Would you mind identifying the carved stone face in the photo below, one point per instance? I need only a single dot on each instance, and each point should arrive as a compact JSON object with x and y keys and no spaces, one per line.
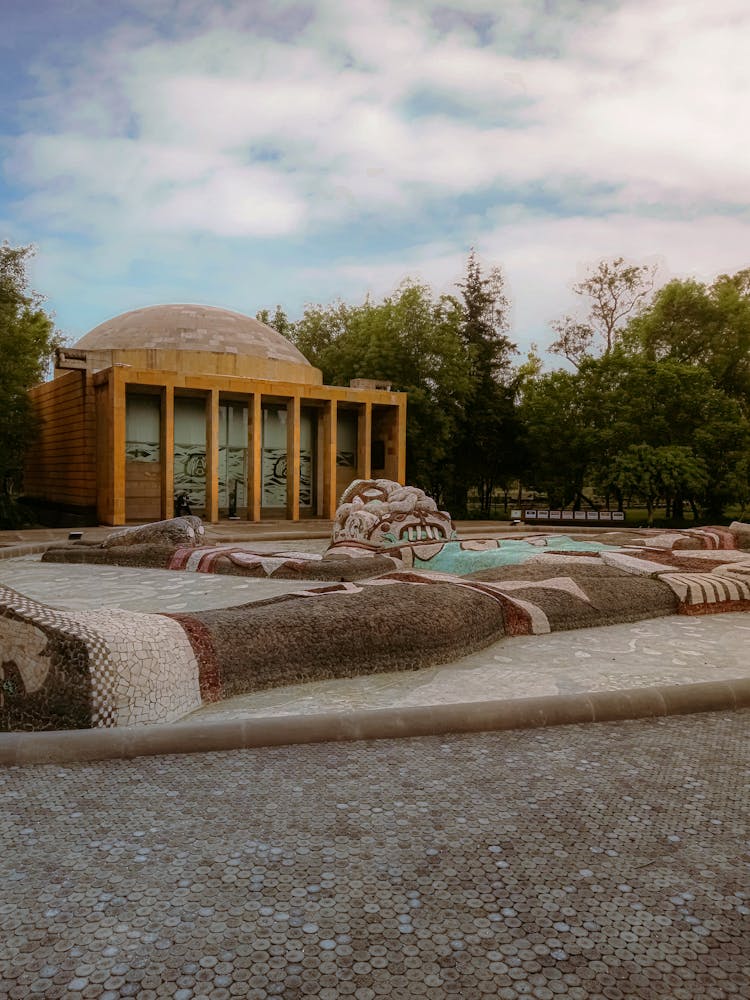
{"x":380,"y":513}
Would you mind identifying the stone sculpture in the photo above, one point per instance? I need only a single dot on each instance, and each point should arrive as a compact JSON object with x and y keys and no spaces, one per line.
{"x":403,"y":593}
{"x":186,"y":530}
{"x":380,"y":512}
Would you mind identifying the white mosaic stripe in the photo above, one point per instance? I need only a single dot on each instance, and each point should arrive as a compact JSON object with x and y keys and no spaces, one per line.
{"x":142,"y":668}
{"x":633,"y":565}
{"x":539,"y":621}
{"x":201,"y":560}
{"x":706,"y":588}
{"x":152,"y":672}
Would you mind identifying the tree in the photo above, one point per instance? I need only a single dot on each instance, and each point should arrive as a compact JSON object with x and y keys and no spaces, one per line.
{"x":613,"y":290}
{"x":702,"y":325}
{"x":412,"y":340}
{"x":27,"y":342}
{"x":452,"y":356}
{"x":279,"y":321}
{"x":486,"y":451}
{"x":578,"y":424}
{"x":656,"y":473}
{"x":560,"y":414}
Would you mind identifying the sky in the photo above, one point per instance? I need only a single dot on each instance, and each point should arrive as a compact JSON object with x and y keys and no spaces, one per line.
{"x":244,"y":153}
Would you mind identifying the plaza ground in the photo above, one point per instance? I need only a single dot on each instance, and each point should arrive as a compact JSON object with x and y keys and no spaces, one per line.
{"x":583,"y":861}
{"x":579,"y":861}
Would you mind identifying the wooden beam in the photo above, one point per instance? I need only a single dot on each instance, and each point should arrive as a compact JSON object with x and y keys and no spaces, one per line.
{"x":364,"y":441}
{"x":330,"y":447}
{"x":401,"y":478}
{"x":117,"y":386}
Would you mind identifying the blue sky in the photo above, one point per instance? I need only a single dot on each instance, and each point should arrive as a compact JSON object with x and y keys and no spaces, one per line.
{"x":245,"y":153}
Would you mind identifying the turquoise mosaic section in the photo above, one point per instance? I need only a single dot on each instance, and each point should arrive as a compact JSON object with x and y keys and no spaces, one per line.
{"x":454,"y":559}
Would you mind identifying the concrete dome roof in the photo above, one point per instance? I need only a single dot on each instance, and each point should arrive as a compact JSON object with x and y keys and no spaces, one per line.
{"x":191,"y":328}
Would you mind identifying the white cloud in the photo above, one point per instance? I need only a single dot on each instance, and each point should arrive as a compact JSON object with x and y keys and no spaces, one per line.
{"x":225,"y":130}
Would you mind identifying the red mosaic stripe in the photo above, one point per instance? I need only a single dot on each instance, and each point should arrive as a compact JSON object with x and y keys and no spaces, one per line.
{"x":712,"y":608}
{"x":209,"y":670}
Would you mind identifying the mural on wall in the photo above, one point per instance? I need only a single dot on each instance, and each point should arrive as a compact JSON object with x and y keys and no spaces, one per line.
{"x":190,"y":449}
{"x":232,"y":455}
{"x":232,"y":476}
{"x":274,"y":461}
{"x":345,"y":459}
{"x":190,"y":472}
{"x":274,"y":477}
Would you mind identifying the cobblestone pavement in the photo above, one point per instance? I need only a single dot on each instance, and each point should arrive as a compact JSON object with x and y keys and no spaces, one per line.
{"x":605,"y":861}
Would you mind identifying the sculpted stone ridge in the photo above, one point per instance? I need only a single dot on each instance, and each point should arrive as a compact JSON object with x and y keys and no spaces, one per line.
{"x":187,"y":530}
{"x":396,"y":590}
{"x":380,"y":513}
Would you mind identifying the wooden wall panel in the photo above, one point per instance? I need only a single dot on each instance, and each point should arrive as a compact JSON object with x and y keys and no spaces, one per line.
{"x":61,"y":464}
{"x":143,"y":491}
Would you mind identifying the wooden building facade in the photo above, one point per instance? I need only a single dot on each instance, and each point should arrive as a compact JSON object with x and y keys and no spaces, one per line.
{"x":194,"y":403}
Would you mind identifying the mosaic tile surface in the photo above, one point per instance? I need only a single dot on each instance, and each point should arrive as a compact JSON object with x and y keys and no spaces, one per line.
{"x":605,"y":861}
{"x":382,"y":609}
{"x":659,"y":652}
{"x":132,"y":668}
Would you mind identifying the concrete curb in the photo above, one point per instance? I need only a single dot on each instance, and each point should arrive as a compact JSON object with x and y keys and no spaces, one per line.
{"x":25,"y":549}
{"x":520,"y":713}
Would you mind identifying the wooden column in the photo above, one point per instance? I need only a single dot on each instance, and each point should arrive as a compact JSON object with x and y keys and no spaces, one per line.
{"x":293,"y":415}
{"x":401,"y":438}
{"x":117,"y":387}
{"x":106,"y":435}
{"x":330,"y":491}
{"x":166,"y":447}
{"x":364,"y":440}
{"x":254,"y":457}
{"x":212,"y":456}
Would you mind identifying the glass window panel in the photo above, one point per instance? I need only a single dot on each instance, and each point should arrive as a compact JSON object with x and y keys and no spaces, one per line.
{"x":190,"y":449}
{"x":142,"y":424}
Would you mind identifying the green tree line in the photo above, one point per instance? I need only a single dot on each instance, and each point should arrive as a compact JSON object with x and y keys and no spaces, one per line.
{"x":654,"y":406}
{"x":655,"y":409}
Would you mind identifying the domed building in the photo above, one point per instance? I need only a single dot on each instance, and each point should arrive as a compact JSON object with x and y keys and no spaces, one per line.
{"x":187,"y":401}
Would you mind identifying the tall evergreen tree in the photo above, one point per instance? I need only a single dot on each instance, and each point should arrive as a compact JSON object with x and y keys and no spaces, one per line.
{"x":487,"y":446}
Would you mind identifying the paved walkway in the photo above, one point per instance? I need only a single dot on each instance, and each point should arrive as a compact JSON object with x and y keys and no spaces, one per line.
{"x":600,"y":861}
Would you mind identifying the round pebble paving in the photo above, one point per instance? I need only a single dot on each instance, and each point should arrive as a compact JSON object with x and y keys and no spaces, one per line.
{"x":580,"y":861}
